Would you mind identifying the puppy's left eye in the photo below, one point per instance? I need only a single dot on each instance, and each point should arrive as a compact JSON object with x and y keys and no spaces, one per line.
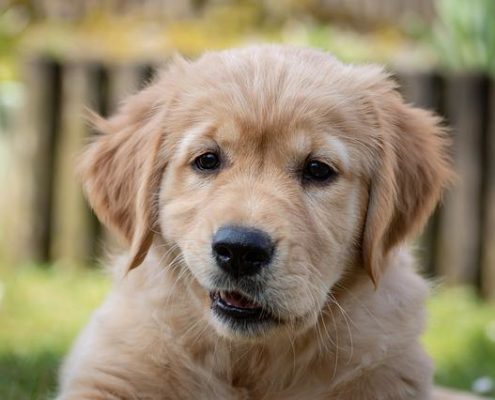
{"x":207,"y":162}
{"x":318,"y":171}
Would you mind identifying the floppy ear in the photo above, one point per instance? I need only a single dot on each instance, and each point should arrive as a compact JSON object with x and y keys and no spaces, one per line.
{"x":410,"y":177}
{"x":121,"y":171}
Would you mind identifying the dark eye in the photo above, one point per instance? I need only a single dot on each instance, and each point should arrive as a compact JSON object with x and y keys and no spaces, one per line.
{"x":318,"y":171}
{"x":207,"y":161}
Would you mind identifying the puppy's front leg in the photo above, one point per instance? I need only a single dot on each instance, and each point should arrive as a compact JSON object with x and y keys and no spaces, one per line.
{"x":403,"y":377}
{"x":97,"y":386}
{"x":97,"y":371}
{"x":383,"y":386}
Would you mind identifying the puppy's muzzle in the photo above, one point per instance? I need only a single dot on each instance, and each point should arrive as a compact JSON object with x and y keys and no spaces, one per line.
{"x":242,"y":251}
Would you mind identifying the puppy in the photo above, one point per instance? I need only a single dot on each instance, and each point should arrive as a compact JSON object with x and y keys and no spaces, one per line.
{"x":266,"y":194}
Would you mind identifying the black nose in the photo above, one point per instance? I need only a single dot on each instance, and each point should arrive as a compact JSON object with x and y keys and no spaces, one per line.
{"x":242,"y":251}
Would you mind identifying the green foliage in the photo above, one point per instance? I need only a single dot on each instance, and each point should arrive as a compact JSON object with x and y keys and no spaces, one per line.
{"x":42,"y":309}
{"x":14,"y":18}
{"x":99,"y":34}
{"x":385,"y":45}
{"x":464,"y":34}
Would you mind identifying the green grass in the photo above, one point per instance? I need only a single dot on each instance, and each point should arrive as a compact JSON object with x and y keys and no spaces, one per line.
{"x":42,"y":309}
{"x":461,"y":338}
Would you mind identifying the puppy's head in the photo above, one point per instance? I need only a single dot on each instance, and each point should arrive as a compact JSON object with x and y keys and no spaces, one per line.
{"x":274,"y":171}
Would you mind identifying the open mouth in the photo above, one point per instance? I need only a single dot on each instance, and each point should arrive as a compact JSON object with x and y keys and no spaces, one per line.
{"x":237,"y":307}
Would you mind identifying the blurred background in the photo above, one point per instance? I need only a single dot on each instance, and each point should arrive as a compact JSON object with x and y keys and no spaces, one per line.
{"x":58,"y":57}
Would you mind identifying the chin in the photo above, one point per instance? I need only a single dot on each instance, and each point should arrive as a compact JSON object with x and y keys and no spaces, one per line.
{"x":235,"y":315}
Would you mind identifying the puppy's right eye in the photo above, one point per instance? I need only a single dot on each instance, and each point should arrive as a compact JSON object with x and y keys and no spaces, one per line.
{"x":318,"y":171}
{"x":207,"y":162}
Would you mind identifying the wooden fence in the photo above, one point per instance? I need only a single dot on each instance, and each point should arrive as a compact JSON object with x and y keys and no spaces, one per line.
{"x":50,"y":221}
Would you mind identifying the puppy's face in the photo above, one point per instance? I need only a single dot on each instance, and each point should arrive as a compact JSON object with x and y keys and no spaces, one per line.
{"x":266,"y":220}
{"x":274,"y":172}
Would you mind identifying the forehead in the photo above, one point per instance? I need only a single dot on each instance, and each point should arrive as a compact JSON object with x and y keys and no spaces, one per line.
{"x":290,"y":101}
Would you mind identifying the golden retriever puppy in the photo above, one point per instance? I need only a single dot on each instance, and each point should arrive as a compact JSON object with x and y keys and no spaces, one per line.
{"x":266,"y":194}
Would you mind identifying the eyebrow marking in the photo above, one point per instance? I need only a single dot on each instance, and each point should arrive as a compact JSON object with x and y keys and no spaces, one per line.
{"x":302,"y":143}
{"x":340,"y":150}
{"x":192,"y":135}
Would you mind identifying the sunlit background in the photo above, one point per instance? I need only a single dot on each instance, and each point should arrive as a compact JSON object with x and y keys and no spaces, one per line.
{"x":58,"y":57}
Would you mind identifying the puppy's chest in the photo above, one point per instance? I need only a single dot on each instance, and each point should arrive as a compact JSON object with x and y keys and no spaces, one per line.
{"x":266,"y":373}
{"x":295,"y":392}
{"x":269,"y":386}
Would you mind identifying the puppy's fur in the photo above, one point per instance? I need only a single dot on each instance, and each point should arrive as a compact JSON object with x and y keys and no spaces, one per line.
{"x":348,"y":303}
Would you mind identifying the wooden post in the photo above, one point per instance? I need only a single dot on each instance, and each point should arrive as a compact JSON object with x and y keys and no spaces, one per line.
{"x":72,"y":234}
{"x":418,"y":88}
{"x":31,"y":178}
{"x":123,"y":81}
{"x":147,"y":74}
{"x":459,"y":226}
{"x":488,"y":239}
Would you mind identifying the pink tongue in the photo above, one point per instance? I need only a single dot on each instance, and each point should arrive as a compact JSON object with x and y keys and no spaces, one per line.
{"x":237,"y":300}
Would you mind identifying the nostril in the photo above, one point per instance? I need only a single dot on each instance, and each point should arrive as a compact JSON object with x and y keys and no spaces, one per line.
{"x":257,"y":256}
{"x":223,"y":252}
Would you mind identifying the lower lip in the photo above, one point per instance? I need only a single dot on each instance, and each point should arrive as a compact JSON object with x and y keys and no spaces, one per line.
{"x":234,"y":314}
